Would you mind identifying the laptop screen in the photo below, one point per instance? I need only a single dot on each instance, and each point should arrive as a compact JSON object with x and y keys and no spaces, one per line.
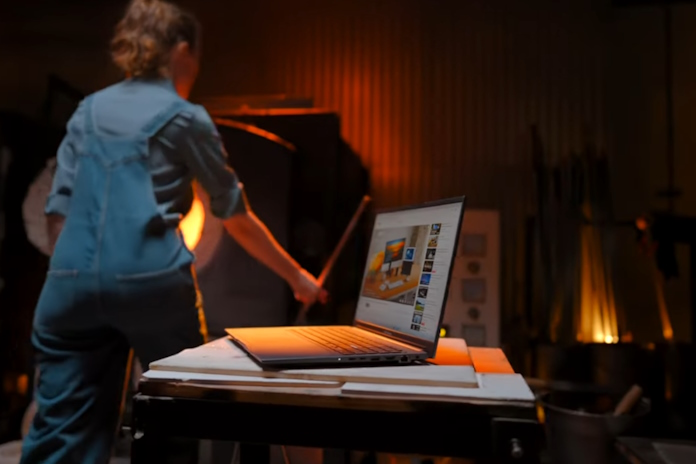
{"x":407,"y":271}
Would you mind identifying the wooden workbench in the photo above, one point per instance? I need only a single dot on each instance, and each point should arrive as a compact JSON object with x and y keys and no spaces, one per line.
{"x":492,"y":423}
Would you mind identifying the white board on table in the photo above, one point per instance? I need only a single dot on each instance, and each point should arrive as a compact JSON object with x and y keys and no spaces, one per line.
{"x":223,"y":357}
{"x":236,"y":380}
{"x":501,"y":387}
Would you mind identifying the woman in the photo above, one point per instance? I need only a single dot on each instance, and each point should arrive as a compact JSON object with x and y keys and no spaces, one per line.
{"x":120,"y":274}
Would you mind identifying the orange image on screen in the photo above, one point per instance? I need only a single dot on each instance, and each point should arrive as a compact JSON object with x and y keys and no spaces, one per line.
{"x":395,"y":264}
{"x":395,"y":250}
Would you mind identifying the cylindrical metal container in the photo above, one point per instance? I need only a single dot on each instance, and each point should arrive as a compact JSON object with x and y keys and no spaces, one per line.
{"x":580,"y":428}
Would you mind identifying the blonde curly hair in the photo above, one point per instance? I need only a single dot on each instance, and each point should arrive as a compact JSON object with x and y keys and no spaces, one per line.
{"x":146,"y":35}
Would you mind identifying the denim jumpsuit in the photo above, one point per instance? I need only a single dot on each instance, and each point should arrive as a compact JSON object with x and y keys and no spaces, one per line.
{"x":120,"y":275}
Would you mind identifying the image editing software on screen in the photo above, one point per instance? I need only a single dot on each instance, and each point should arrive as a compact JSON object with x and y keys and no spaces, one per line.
{"x":405,"y":278}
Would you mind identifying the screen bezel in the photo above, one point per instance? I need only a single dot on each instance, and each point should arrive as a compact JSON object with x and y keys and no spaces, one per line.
{"x":430,"y":347}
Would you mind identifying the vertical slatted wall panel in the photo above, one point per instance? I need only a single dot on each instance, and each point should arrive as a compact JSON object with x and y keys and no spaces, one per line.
{"x":437,"y":97}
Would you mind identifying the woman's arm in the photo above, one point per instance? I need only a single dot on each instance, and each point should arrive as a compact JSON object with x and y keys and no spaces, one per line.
{"x":202,"y":151}
{"x":257,"y":240}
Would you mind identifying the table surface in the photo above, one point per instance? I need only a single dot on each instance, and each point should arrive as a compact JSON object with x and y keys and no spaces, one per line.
{"x":326,"y":397}
{"x":498,"y":383}
{"x":187,"y":404}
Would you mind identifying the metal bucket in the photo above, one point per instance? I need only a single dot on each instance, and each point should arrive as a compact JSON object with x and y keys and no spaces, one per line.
{"x":580,"y":428}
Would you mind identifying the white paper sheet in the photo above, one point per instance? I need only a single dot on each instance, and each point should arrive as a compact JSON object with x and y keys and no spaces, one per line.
{"x":229,"y":379}
{"x":506,"y":387}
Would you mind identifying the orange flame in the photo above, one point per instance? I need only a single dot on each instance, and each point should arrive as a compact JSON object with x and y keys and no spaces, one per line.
{"x":598,"y":315}
{"x":192,"y":224}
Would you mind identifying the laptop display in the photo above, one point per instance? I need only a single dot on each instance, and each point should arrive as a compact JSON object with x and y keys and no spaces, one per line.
{"x":405,"y":281}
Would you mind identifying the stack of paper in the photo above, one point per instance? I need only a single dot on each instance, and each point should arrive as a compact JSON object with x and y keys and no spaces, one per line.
{"x":222,"y":357}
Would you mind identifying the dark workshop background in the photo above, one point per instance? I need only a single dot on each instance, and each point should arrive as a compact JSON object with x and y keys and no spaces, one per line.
{"x":437,"y":97}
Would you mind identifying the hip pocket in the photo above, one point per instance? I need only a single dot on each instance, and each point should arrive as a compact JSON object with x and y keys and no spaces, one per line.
{"x":151,"y":276}
{"x":156,"y":298}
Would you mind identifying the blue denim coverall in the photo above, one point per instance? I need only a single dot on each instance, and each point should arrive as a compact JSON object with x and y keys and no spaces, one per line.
{"x":120,"y":275}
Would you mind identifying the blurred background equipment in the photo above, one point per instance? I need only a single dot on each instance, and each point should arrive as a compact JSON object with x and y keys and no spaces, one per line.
{"x":473,"y":302}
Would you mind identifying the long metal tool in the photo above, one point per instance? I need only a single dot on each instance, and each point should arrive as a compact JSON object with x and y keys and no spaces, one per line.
{"x":301,"y":316}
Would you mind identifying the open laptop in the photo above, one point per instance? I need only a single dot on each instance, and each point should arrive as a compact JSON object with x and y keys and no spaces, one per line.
{"x":401,"y":303}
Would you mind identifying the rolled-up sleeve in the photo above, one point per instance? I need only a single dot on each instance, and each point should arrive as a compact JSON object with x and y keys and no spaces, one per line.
{"x":205,"y":155}
{"x":58,"y":201}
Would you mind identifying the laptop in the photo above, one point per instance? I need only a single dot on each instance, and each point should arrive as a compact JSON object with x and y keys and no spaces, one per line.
{"x":401,"y":303}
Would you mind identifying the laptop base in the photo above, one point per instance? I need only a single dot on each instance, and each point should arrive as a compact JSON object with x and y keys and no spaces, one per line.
{"x":284,"y":346}
{"x":281,"y":365}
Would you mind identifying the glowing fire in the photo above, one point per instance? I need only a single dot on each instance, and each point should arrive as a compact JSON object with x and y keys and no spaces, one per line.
{"x":192,"y":225}
{"x":643,"y":224}
{"x":598,"y":321}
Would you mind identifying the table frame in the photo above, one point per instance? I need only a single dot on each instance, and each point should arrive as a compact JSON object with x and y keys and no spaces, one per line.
{"x":485,"y":431}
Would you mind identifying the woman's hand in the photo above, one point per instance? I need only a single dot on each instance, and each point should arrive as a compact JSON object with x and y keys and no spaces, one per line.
{"x":307,"y":289}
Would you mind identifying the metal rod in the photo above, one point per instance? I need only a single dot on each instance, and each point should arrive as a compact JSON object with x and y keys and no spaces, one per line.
{"x":286,"y":457}
{"x":336,"y":252}
{"x":669,"y":107}
{"x":235,"y":454}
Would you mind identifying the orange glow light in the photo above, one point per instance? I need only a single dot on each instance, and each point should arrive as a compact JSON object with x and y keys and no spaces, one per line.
{"x":665,"y":319}
{"x":23,"y":384}
{"x":452,"y":352}
{"x":598,"y":321}
{"x":192,"y":224}
{"x":490,"y":361}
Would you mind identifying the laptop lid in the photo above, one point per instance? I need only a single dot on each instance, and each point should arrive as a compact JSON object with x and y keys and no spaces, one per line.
{"x":408,"y":271}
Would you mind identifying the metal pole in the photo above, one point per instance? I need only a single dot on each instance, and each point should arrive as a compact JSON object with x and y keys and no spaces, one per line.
{"x":301,"y":316}
{"x":669,"y":106}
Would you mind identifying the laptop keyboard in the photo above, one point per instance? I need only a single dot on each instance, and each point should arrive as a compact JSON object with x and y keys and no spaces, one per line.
{"x":346,"y":341}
